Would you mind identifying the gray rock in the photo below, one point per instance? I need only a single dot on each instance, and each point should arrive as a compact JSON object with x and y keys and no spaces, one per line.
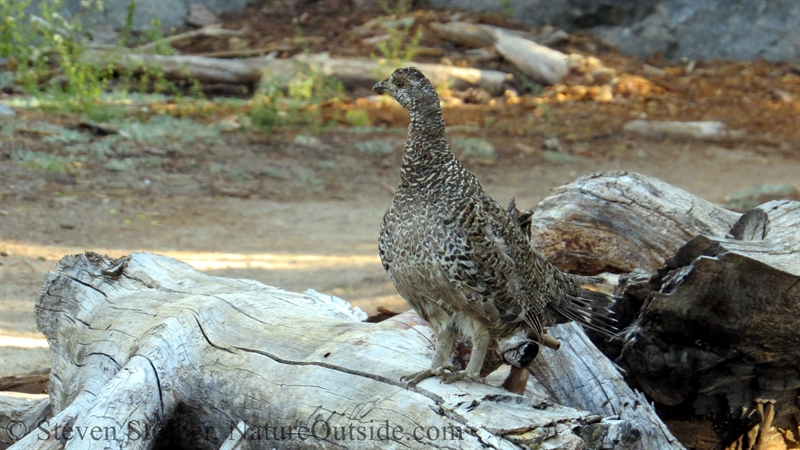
{"x":171,"y":13}
{"x":5,"y":111}
{"x":731,"y":29}
{"x":200,"y":16}
{"x":695,"y":29}
{"x":652,"y":34}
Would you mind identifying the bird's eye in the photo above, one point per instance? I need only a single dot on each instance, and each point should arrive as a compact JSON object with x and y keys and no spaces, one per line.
{"x":399,"y":83}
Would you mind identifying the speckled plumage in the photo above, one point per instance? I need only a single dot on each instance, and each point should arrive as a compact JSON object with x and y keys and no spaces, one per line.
{"x":459,"y":259}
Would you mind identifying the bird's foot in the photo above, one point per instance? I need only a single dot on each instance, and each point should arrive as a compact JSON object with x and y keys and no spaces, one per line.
{"x":461,"y":376}
{"x":414,"y":378}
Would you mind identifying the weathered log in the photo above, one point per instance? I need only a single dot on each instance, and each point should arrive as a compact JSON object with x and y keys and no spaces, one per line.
{"x":578,"y":375}
{"x":362,"y":71}
{"x":711,"y":303}
{"x":356,"y":71}
{"x":621,"y":221}
{"x":146,"y":343}
{"x":718,"y":330}
{"x":27,"y":383}
{"x":20,"y":413}
{"x":541,"y":63}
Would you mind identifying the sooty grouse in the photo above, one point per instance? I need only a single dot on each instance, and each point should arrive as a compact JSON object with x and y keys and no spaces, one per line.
{"x":460,"y":259}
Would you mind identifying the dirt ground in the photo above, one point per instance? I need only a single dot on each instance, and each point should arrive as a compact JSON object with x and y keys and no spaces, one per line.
{"x":302,"y":210}
{"x":319,"y":239}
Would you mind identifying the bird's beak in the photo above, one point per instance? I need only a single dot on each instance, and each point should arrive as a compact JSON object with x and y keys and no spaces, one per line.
{"x":380,"y":87}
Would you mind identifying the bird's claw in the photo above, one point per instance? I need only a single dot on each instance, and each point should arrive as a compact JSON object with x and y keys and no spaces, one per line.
{"x":460,"y":376}
{"x":415,"y":378}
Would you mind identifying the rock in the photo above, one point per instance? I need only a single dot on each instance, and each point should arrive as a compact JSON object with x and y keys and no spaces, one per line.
{"x":782,"y":95}
{"x":114,"y":12}
{"x":560,"y":157}
{"x":5,"y":111}
{"x":643,"y":38}
{"x":652,"y":71}
{"x":725,"y":29}
{"x":200,"y":16}
{"x":552,"y":144}
{"x":308,"y":141}
{"x":603,"y":76}
{"x":377,"y":147}
{"x":474,"y":148}
{"x":711,"y":131}
{"x":476,"y":96}
{"x":104,"y":35}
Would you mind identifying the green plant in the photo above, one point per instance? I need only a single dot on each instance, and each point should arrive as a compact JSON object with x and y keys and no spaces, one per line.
{"x":400,"y":7}
{"x":528,"y":85}
{"x":127,"y":28}
{"x":16,"y":36}
{"x":505,"y":6}
{"x":357,"y":118}
{"x":42,"y":161}
{"x":155,"y":35}
{"x":299,"y":105}
{"x":401,"y":46}
{"x":49,"y":57}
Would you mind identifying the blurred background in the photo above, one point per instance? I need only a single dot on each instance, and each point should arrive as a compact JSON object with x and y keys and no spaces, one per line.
{"x":243,"y":136}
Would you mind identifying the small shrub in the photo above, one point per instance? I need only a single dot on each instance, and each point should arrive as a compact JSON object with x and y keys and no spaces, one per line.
{"x":43,"y":161}
{"x":357,"y":118}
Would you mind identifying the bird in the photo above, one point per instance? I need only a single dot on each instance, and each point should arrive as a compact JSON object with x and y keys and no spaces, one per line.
{"x":460,"y":260}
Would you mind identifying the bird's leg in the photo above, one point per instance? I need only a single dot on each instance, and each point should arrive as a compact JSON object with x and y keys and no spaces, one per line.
{"x":480,"y":343}
{"x":444,"y":343}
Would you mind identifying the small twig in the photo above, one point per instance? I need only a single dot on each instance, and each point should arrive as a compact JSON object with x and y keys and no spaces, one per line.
{"x":389,"y":188}
{"x":246,"y":52}
{"x":211,"y":30}
{"x":550,"y":342}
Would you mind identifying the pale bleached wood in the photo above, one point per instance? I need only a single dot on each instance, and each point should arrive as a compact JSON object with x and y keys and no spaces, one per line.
{"x":579,"y":375}
{"x":147,"y":339}
{"x":621,"y":221}
{"x":354,"y":71}
{"x":20,"y":414}
{"x":541,"y":63}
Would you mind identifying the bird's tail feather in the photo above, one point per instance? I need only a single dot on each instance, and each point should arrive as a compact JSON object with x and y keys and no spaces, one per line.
{"x":592,"y":310}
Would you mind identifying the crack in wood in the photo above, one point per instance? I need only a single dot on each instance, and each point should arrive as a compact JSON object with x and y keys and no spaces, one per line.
{"x":75,"y":279}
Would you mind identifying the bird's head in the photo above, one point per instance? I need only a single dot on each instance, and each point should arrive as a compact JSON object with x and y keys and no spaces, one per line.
{"x":411,"y":89}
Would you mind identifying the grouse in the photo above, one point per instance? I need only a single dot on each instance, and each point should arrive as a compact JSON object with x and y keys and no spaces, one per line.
{"x":458,"y":258}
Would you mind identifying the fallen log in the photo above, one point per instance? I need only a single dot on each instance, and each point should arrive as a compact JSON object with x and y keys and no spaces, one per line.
{"x":249,"y":71}
{"x":541,"y":63}
{"x":710,"y":305}
{"x":361,"y":71}
{"x":147,"y":351}
{"x":620,"y":221}
{"x":20,"y":413}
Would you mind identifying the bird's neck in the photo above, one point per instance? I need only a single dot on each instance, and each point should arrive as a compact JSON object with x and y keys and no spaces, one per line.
{"x":426,"y":151}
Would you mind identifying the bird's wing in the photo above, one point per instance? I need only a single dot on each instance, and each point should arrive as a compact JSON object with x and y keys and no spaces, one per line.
{"x":479,"y":256}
